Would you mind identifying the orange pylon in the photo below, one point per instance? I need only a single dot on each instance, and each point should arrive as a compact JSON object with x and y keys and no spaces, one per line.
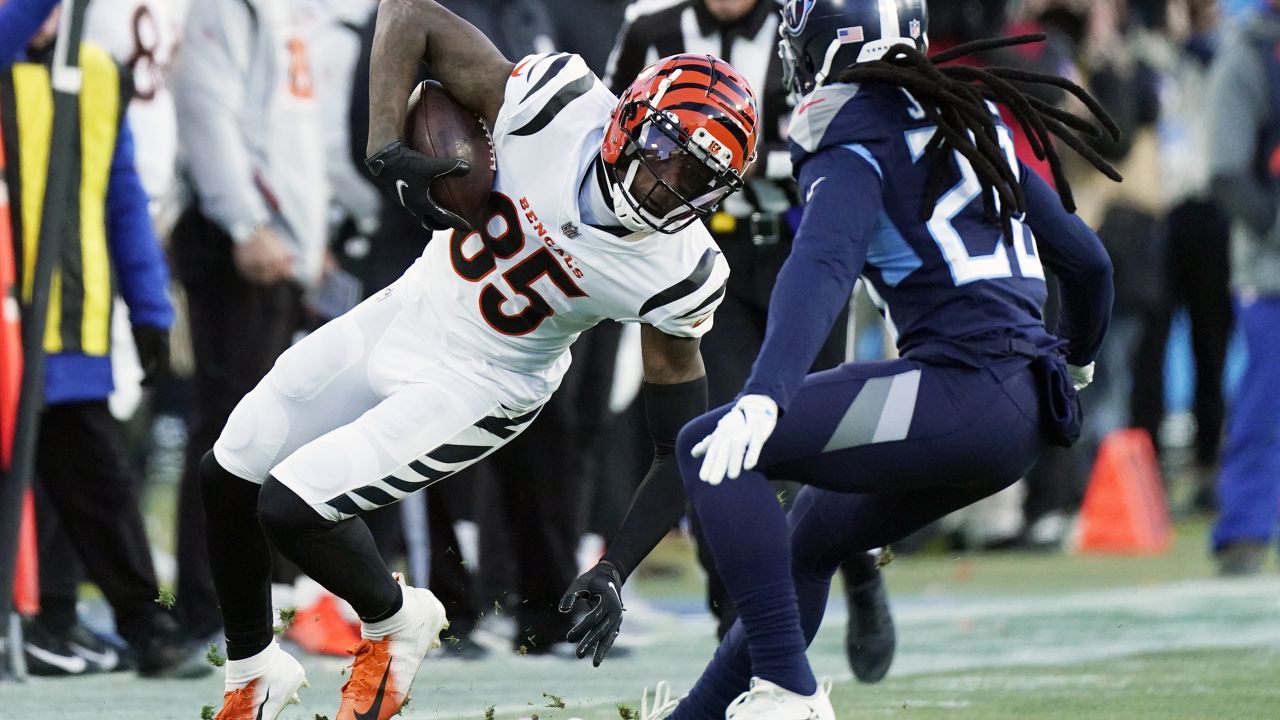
{"x":1125,"y":511}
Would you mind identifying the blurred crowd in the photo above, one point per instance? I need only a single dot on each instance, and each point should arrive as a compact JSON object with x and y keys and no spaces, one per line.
{"x":225,"y":210}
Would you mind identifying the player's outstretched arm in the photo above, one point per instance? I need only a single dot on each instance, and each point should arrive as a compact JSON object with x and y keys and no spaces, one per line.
{"x":842,"y":194}
{"x":843,"y":201}
{"x":411,"y":32}
{"x":675,"y":392}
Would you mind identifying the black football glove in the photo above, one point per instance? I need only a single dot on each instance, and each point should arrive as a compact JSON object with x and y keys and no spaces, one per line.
{"x":153,"y":352}
{"x":406,"y":176}
{"x":601,"y":588}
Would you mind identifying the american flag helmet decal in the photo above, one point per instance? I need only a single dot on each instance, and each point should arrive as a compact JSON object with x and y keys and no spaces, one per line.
{"x":851,"y":35}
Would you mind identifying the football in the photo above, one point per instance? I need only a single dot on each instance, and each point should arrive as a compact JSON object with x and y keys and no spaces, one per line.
{"x":439,"y":127}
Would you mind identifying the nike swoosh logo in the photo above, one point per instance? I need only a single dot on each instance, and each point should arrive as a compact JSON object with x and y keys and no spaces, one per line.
{"x":800,"y":110}
{"x":519,"y":69}
{"x":263,"y":707}
{"x":72,"y":664}
{"x":400,"y":186}
{"x":108,"y":659}
{"x":814,"y":188}
{"x":615,"y":592}
{"x":372,"y":712}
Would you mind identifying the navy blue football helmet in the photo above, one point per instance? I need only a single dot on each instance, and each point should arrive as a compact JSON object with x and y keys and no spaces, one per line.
{"x":823,"y":37}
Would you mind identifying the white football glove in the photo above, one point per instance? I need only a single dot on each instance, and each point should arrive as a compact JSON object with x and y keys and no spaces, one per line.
{"x":1081,"y":376}
{"x":738,"y":439}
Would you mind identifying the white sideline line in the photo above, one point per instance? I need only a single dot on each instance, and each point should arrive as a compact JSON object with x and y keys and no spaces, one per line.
{"x":1166,"y":599}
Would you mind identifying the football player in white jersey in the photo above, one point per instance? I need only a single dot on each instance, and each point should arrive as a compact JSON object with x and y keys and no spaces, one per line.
{"x":594,"y":215}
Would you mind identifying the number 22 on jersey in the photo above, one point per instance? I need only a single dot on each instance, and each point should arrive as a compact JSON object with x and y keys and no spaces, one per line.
{"x":966,"y":267}
{"x":501,"y":238}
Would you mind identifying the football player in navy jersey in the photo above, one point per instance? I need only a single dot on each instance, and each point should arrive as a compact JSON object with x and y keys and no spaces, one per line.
{"x":912,"y":183}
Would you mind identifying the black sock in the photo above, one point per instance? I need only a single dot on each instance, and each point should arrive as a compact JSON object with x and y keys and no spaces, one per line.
{"x":341,"y":556}
{"x":239,"y":557}
{"x":391,"y":610}
{"x":859,"y":568}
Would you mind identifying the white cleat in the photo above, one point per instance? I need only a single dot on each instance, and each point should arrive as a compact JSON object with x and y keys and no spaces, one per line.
{"x":663,"y":704}
{"x":266,"y":696}
{"x":766,"y":701}
{"x":384,"y":668}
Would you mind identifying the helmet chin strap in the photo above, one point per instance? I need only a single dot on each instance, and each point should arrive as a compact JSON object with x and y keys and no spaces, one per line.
{"x":630,"y":214}
{"x":820,"y":77}
{"x":626,"y":210}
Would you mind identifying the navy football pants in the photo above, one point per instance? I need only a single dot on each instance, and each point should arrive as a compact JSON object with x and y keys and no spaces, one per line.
{"x":884,"y":449}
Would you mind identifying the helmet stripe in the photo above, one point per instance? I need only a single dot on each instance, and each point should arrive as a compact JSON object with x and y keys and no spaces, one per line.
{"x":713,"y":77}
{"x":713,"y":113}
{"x":698,"y":104}
{"x":889,"y":28}
{"x":702,"y":67}
{"x":704,"y":91}
{"x":736,"y":131}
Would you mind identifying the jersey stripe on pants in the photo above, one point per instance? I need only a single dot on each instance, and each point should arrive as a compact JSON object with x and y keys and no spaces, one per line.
{"x":372,"y":407}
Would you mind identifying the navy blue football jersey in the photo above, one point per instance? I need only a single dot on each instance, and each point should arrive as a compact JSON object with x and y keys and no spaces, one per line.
{"x":949,"y":283}
{"x":953,"y":288}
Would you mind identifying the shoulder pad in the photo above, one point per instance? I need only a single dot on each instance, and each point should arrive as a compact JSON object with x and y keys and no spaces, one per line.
{"x":686,"y":308}
{"x":540,"y":87}
{"x":837,"y":114}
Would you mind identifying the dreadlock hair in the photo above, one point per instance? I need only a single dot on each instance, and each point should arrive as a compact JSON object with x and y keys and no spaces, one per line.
{"x":955,"y":99}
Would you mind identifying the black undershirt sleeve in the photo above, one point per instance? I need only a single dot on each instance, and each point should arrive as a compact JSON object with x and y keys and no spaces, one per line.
{"x":659,"y":502}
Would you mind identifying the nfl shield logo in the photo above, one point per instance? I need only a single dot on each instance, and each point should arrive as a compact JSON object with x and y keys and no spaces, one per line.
{"x":915,"y":29}
{"x":570,"y":230}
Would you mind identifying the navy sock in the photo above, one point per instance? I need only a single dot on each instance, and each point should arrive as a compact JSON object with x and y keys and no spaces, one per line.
{"x":747,"y":531}
{"x":816,"y":552}
{"x":726,"y":677}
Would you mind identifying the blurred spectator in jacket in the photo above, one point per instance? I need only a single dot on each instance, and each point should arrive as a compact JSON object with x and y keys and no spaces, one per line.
{"x":1180,"y":43}
{"x":1106,"y":56}
{"x":1243,"y":105}
{"x":109,"y":245}
{"x":254,"y":234}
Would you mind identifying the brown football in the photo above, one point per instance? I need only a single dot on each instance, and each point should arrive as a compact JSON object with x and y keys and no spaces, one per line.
{"x":437,"y":126}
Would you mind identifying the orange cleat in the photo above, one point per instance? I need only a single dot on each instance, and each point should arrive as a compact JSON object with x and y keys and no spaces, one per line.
{"x":383,"y":671}
{"x":320,"y":629}
{"x":265,"y":697}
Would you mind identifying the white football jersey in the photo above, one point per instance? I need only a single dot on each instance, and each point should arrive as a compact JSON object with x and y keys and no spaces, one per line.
{"x":519,"y":290}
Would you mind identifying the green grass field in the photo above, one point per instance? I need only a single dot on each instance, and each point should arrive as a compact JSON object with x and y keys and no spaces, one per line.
{"x":1169,"y":685}
{"x":982,"y":637}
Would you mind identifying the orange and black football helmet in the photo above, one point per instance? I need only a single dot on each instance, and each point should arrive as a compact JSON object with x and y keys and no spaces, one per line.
{"x":678,"y":142}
